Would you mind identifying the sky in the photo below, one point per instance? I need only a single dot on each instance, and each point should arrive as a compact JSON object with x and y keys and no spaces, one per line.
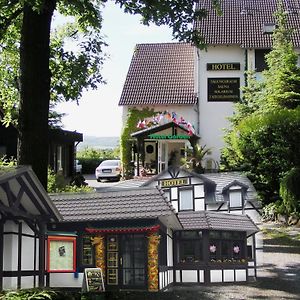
{"x":98,"y":113}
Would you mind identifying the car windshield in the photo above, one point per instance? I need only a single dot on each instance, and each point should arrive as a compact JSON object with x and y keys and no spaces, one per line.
{"x":110,"y":163}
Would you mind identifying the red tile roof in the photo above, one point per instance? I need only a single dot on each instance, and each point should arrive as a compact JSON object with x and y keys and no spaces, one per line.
{"x":243,"y":20}
{"x":160,"y":74}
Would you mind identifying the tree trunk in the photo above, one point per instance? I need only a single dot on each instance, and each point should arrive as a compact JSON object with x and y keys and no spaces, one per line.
{"x":35,"y":88}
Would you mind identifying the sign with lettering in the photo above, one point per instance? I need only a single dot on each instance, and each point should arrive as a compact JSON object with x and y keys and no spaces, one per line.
{"x":93,"y":280}
{"x":169,"y":137}
{"x":223,"y":66}
{"x":223,"y":89}
{"x":174,"y":182}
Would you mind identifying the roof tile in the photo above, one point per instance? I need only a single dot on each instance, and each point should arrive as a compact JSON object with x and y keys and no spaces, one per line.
{"x":160,"y":74}
{"x":242,"y":22}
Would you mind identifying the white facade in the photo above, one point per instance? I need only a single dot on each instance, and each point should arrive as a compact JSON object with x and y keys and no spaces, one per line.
{"x":213,"y":116}
{"x":15,"y":237}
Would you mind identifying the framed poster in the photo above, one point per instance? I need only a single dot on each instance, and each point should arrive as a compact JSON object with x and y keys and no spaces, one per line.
{"x":61,"y":254}
{"x":93,"y":280}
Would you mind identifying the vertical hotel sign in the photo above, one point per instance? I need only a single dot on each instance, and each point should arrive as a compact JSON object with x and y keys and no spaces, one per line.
{"x":223,"y":89}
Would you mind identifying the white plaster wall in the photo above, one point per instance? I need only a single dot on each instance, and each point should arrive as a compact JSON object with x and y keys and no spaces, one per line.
{"x":169,"y":248}
{"x":66,"y":280}
{"x":213,"y":115}
{"x":240,"y":275}
{"x":201,"y":276}
{"x":199,"y":204}
{"x":251,"y":272}
{"x":228,"y":275}
{"x":27,"y":282}
{"x":9,"y":283}
{"x":177,"y":276}
{"x":170,"y":274}
{"x":27,"y":253}
{"x":26,"y":229}
{"x":215,"y":275}
{"x":10,"y":252}
{"x":161,"y":279}
{"x":189,"y":276}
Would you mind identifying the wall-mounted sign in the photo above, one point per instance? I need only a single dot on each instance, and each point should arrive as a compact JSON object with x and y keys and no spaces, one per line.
{"x":169,"y":137}
{"x":93,"y":280}
{"x":174,"y":182}
{"x":61,"y":254}
{"x":223,"y":66}
{"x":223,"y":89}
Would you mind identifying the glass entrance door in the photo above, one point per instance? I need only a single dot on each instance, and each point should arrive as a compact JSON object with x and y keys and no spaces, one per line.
{"x":133,"y":261}
{"x":162,"y":156}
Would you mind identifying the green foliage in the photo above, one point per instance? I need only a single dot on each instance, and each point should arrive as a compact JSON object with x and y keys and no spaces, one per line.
{"x":29,"y":295}
{"x":73,"y":69}
{"x":133,"y":116}
{"x":90,"y":158}
{"x":58,"y":184}
{"x":7,"y":162}
{"x":290,"y":191}
{"x":282,"y":79}
{"x":264,"y":139}
{"x":178,"y":15}
{"x":195,"y":157}
{"x":266,"y":146}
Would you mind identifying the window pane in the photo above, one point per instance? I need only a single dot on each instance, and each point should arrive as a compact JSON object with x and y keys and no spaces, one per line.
{"x":214,"y":234}
{"x":235,"y":199}
{"x":199,"y":191}
{"x":189,"y":234}
{"x":186,"y":199}
{"x":87,"y":251}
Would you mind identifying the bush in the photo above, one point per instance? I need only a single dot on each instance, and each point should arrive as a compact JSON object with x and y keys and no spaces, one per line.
{"x":272,"y":210}
{"x":290,"y":191}
{"x":57,"y":184}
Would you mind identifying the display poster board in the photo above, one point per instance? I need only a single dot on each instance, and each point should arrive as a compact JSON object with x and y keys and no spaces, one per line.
{"x":93,"y":280}
{"x":61,"y":254}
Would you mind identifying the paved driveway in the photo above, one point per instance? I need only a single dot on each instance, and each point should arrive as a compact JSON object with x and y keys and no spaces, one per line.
{"x":90,"y":179}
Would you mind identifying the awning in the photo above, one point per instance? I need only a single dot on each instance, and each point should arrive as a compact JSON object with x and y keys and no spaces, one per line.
{"x":135,"y":229}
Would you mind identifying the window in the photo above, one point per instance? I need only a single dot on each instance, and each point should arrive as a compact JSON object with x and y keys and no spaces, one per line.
{"x":260,"y":60}
{"x":235,"y":198}
{"x":226,"y":246}
{"x":189,"y":246}
{"x":87,"y":251}
{"x":186,"y":199}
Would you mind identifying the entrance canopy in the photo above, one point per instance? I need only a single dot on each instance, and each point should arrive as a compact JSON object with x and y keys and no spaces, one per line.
{"x":161,"y":145}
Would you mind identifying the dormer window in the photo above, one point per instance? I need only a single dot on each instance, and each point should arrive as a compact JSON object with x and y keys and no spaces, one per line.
{"x":235,"y":194}
{"x":268,"y":28}
{"x":235,"y":198}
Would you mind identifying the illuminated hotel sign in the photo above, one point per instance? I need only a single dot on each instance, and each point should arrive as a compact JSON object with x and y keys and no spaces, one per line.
{"x":168,"y":137}
{"x":223,"y":89}
{"x":174,"y":182}
{"x":223,"y":67}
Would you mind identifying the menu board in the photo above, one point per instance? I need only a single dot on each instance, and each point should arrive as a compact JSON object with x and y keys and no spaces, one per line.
{"x":93,"y":280}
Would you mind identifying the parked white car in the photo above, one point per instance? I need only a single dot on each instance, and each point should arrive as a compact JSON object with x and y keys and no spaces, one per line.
{"x":108,"y":169}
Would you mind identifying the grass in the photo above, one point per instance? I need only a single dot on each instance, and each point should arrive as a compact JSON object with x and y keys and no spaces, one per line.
{"x":282,"y":236}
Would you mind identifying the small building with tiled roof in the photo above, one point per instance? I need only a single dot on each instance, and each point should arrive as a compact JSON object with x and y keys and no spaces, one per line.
{"x":139,"y":241}
{"x":203,"y":85}
{"x":129,"y":238}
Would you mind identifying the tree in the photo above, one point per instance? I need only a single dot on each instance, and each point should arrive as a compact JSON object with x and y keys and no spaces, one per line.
{"x":35,"y":77}
{"x":265,"y":136}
